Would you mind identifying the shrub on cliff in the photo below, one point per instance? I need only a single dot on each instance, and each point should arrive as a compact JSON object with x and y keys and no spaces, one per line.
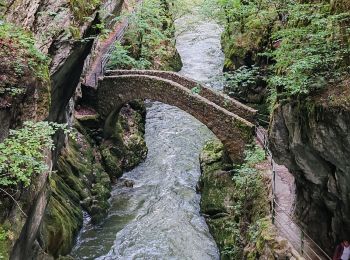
{"x":22,"y":154}
{"x":234,"y":201}
{"x":148,"y":39}
{"x":21,"y":62}
{"x":305,"y":44}
{"x":314,"y":49}
{"x":82,"y":9}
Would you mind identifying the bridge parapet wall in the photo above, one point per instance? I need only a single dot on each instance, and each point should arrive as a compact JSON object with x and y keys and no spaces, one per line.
{"x":216,"y":97}
{"x":114,"y":91}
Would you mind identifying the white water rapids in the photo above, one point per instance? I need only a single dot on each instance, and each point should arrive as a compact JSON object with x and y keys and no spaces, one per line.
{"x":159,"y":218}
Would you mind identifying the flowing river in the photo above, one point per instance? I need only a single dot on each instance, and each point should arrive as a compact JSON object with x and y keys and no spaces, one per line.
{"x":159,"y":218}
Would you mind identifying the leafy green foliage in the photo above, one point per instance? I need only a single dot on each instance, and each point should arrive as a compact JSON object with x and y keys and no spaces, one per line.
{"x":247,"y":179}
{"x":312,"y":52}
{"x":22,"y":153}
{"x":242,"y":80}
{"x":196,"y":90}
{"x":247,"y":26}
{"x":103,"y":30}
{"x":3,"y":234}
{"x":83,"y":8}
{"x":3,"y":5}
{"x":3,"y":243}
{"x":305,"y":44}
{"x":250,"y":202}
{"x":19,"y":58}
{"x":147,"y":38}
{"x":122,"y":59}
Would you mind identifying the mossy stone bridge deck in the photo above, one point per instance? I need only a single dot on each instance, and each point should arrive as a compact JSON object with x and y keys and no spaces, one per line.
{"x":231,"y":121}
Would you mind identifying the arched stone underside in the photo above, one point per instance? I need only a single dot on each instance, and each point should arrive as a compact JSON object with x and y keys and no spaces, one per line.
{"x":114,"y":91}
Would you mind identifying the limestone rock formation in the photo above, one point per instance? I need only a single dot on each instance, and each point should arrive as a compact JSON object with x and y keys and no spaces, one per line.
{"x":312,"y":138}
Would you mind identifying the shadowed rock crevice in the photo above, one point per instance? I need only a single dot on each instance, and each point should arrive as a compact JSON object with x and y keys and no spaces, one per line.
{"x":313,"y":142}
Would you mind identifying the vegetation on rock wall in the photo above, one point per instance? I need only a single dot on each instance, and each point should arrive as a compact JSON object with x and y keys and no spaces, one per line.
{"x":82,"y":9}
{"x":22,"y":153}
{"x":247,"y":84}
{"x":2,"y":8}
{"x":86,"y":170}
{"x":4,"y":243}
{"x":314,"y":49}
{"x":88,"y":166}
{"x":149,"y":39}
{"x":235,"y":200}
{"x":22,"y":159}
{"x":301,"y":46}
{"x":79,"y":184}
{"x":20,"y":59}
{"x":302,"y":49}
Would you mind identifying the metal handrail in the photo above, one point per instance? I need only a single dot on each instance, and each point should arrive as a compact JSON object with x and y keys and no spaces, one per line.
{"x":292,"y":234}
{"x":264,"y":121}
{"x":259,"y":114}
{"x":288,"y":233}
{"x":295,"y":236}
{"x":264,"y":141}
{"x":302,"y":230}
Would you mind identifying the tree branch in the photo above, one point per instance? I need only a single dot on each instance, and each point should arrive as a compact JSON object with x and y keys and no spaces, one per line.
{"x":8,"y":194}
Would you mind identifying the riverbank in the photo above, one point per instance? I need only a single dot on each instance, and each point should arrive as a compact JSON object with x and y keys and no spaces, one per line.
{"x":236,"y":203}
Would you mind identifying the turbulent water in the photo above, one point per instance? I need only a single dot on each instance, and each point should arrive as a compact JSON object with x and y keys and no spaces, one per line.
{"x":159,"y":217}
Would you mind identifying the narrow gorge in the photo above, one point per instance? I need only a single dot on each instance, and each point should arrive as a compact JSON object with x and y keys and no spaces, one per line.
{"x":161,"y":129}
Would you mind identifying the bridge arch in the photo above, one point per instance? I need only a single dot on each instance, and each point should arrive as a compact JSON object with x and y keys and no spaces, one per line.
{"x":115,"y":91}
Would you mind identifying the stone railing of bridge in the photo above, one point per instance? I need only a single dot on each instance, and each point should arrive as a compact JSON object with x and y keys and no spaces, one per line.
{"x":231,"y":121}
{"x":216,"y":97}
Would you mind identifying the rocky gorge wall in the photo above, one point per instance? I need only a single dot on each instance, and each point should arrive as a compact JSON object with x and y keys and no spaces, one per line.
{"x":312,"y":138}
{"x":64,"y":31}
{"x":85,"y":167}
{"x":308,"y":132}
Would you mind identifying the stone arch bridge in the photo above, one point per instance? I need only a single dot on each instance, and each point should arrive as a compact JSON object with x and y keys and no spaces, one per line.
{"x":231,"y":121}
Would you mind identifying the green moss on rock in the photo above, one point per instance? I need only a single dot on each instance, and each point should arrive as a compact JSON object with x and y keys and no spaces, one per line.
{"x":230,"y":216}
{"x":243,"y":40}
{"x":18,"y":52}
{"x":112,"y":160}
{"x":24,"y":73}
{"x":5,"y":244}
{"x":86,"y":169}
{"x":63,"y":220}
{"x":80,"y":183}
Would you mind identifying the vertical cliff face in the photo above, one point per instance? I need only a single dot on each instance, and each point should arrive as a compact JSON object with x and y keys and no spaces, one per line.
{"x":24,"y":95}
{"x":43,"y":48}
{"x":65,"y":33}
{"x":60,"y":30}
{"x":24,"y":79}
{"x":312,"y":138}
{"x":63,"y":30}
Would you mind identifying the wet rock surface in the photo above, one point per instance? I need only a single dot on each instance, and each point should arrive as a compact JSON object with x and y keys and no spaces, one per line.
{"x":238,"y":220}
{"x":86,"y":170}
{"x":312,"y":140}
